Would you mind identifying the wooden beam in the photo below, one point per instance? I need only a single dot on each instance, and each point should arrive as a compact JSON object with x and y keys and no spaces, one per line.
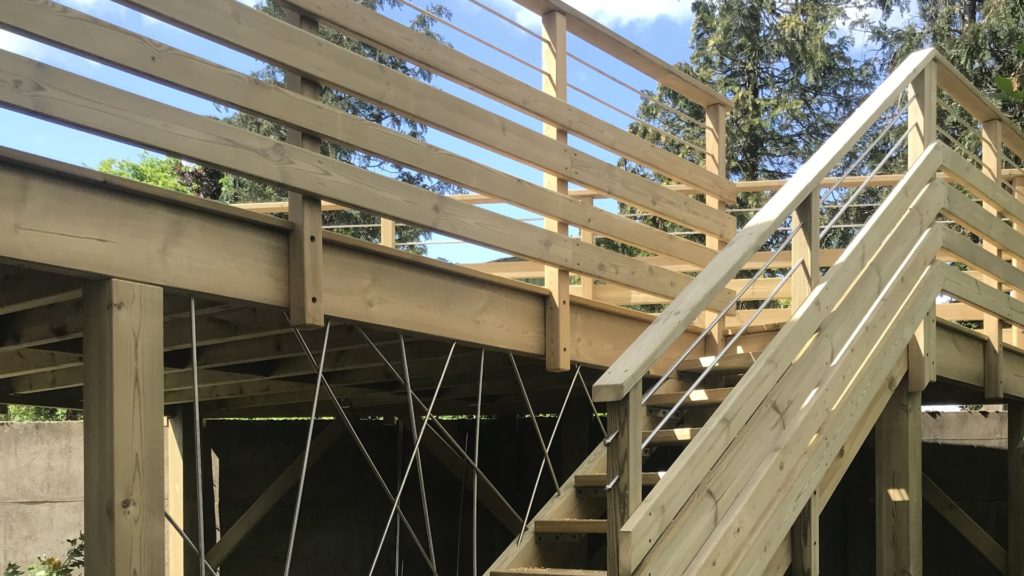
{"x":921,"y":362}
{"x":899,"y":547}
{"x":280,"y":487}
{"x":306,"y":245}
{"x":23,"y":289}
{"x":624,"y":471}
{"x":555,"y":83}
{"x":964,"y":524}
{"x":184,"y":134}
{"x":124,"y":452}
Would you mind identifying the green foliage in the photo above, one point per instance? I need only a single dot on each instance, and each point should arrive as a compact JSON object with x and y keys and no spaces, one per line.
{"x":49,"y":566}
{"x":18,"y":413}
{"x":148,"y":168}
{"x":1012,"y":88}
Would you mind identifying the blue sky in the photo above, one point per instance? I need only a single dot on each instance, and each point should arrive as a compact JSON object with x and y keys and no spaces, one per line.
{"x":660,"y":26}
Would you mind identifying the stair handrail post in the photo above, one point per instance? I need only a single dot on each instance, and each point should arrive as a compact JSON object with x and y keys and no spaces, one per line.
{"x":716,"y":162}
{"x":624,"y":473}
{"x":992,"y":167}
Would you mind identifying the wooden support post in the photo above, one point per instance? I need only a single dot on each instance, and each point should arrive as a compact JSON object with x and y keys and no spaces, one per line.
{"x":805,"y":253}
{"x":587,"y":237}
{"x":716,"y":163}
{"x":992,"y":161}
{"x":921,"y":361}
{"x":174,"y":470}
{"x":124,"y":453}
{"x":624,"y":472}
{"x":555,"y":82}
{"x":387,"y":232}
{"x":1015,"y":488}
{"x":898,"y":544}
{"x":1016,"y":337}
{"x":306,"y":249}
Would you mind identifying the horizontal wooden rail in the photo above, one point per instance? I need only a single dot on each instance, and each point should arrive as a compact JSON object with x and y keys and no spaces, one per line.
{"x":51,"y":93}
{"x":977,"y":104}
{"x":627,"y":372}
{"x":379,"y":30}
{"x":96,"y":39}
{"x":267,"y":38}
{"x":629,"y":53}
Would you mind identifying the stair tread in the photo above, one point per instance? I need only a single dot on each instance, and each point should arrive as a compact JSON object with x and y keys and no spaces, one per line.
{"x":601,"y":480}
{"x":707,"y":397}
{"x":571,"y":526}
{"x":730,"y":363}
{"x":548,"y":572}
{"x":671,"y":436}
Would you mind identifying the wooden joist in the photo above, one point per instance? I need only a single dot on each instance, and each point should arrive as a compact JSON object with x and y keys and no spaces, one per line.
{"x":570,"y":526}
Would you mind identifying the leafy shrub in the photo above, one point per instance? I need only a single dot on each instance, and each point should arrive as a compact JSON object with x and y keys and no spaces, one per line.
{"x":54,"y":566}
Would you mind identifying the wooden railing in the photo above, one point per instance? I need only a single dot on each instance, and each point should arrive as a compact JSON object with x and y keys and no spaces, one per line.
{"x":311,"y":64}
{"x":845,"y":332}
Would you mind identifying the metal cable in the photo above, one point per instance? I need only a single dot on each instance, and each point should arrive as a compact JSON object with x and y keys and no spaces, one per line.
{"x":305,"y":454}
{"x":551,"y":439}
{"x":476,"y":460}
{"x":408,"y":468}
{"x":533,"y":418}
{"x":191,"y":544}
{"x":362,"y":450}
{"x":416,"y":455}
{"x":197,"y":440}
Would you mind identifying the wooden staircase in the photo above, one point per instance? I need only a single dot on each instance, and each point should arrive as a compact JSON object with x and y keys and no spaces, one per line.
{"x":856,"y":352}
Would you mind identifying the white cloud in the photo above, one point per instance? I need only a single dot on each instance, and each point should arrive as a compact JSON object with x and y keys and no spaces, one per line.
{"x":613,"y":13}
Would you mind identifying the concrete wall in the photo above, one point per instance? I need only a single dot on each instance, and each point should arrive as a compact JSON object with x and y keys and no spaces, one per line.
{"x":40,"y":489}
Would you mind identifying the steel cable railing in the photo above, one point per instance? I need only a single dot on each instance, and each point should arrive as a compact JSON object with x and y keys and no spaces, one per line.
{"x":667,"y":417}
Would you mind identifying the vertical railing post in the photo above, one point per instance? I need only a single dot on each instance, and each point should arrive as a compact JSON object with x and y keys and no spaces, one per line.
{"x":806,"y":256}
{"x":306,"y":252}
{"x":991,"y":166}
{"x":624,"y":473}
{"x":587,"y":237}
{"x":555,"y":82}
{"x":387,"y":232}
{"x":1016,"y":338}
{"x":715,"y":162}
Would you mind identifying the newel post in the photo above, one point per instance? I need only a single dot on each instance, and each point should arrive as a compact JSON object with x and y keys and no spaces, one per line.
{"x":991,"y":166}
{"x":624,"y":476}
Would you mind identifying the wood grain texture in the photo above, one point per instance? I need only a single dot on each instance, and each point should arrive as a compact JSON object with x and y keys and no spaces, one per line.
{"x":124,"y":444}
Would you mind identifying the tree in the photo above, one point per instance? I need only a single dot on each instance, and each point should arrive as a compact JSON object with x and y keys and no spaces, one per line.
{"x":149,"y":168}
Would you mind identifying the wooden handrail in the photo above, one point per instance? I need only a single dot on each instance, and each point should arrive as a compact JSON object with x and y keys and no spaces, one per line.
{"x":977,"y":104}
{"x":635,"y":362}
{"x":629,"y":53}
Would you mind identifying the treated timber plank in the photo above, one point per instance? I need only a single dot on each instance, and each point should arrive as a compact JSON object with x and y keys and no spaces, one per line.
{"x":705,"y":397}
{"x":131,"y":52}
{"x":56,"y":94}
{"x":264,"y":37}
{"x":23,"y":289}
{"x":964,"y":524}
{"x":626,"y":372}
{"x":601,"y":480}
{"x":383,"y":32}
{"x":672,"y":436}
{"x":538,"y":571}
{"x":905,"y":202}
{"x":124,"y":452}
{"x":570,"y":526}
{"x":899,"y":544}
